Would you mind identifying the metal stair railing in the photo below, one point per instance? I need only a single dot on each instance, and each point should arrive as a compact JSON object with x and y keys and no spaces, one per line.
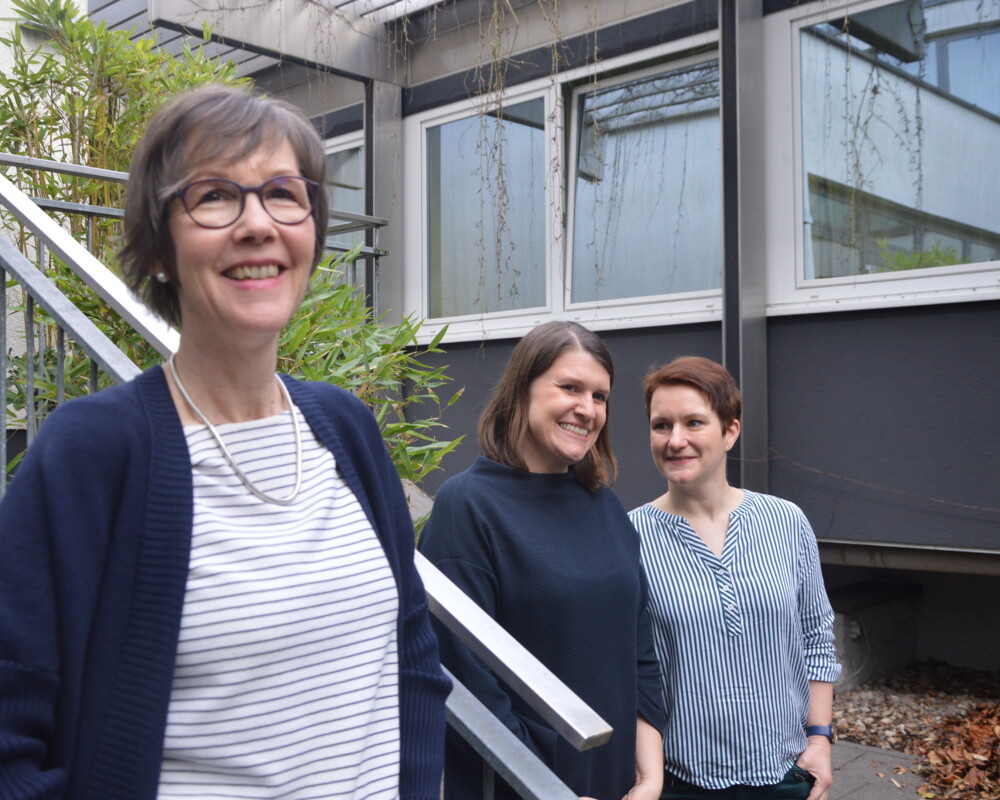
{"x":98,"y":277}
{"x":501,"y":751}
{"x":38,"y":291}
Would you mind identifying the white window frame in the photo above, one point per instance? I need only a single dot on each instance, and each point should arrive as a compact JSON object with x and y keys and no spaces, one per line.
{"x":788,"y":291}
{"x":415,"y":281}
{"x":698,"y":306}
{"x":353,"y":273}
{"x":346,"y":141}
{"x":686,"y":307}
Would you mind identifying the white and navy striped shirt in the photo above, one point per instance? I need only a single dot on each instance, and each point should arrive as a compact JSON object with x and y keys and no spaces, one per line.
{"x":286,"y":682}
{"x":738,"y":639}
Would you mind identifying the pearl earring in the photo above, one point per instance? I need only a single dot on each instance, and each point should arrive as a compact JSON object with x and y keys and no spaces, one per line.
{"x":161,"y":277}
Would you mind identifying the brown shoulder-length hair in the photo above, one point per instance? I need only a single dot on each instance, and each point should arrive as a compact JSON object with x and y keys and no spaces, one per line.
{"x":504,"y":423}
{"x":211,"y":126}
{"x":708,"y":377}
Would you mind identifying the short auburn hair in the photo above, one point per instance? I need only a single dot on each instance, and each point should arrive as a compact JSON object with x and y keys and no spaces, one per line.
{"x":503,"y":425}
{"x":709,"y":377}
{"x":213,"y":125}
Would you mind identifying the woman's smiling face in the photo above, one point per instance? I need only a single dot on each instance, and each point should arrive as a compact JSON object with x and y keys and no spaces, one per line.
{"x":686,"y":438}
{"x":247,"y":278}
{"x":567,"y":408}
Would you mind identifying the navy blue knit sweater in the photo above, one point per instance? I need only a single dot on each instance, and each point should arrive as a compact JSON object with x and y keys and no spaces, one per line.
{"x":95,"y":535}
{"x":558,"y":567}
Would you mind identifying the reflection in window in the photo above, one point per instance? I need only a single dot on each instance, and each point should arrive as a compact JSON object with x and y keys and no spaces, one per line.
{"x":900,"y":127}
{"x":647,"y":204}
{"x":345,"y":180}
{"x":486,"y":212}
{"x":886,"y":237}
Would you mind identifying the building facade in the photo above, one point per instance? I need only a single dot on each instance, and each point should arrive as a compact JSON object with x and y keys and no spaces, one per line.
{"x":804,"y":190}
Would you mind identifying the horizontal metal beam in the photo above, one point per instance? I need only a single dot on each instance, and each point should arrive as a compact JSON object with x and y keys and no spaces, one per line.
{"x":86,"y":209}
{"x":361,"y":220}
{"x":347,"y":247}
{"x":573,"y":719}
{"x":11,"y":160}
{"x":102,"y":280}
{"x":922,"y":559}
{"x":45,"y":293}
{"x":298,"y":31}
{"x":501,"y":749}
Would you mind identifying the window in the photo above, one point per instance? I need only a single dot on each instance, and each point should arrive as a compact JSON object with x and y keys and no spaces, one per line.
{"x":590,"y":197}
{"x":345,"y":178}
{"x":900,"y":131}
{"x":648,"y":183}
{"x":345,"y":188}
{"x":486,"y":211}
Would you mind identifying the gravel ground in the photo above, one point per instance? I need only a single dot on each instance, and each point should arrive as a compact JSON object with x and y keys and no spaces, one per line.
{"x":949,"y":717}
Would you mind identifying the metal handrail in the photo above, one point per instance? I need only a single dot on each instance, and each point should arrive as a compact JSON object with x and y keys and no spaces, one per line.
{"x":501,"y":751}
{"x":62,"y":167}
{"x":573,"y":719}
{"x":85,"y":333}
{"x":98,"y":277}
{"x":340,"y":221}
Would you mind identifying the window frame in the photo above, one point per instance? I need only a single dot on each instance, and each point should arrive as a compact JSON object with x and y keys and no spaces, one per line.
{"x":685,"y":306}
{"x":560,"y":155}
{"x":790,"y":292}
{"x":346,"y":141}
{"x":416,"y":282}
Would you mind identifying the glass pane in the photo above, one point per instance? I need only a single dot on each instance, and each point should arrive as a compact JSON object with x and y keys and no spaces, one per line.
{"x":648,"y":188}
{"x":486,"y":212}
{"x":345,"y":180}
{"x":884,"y":95}
{"x":983,"y":252}
{"x":972,"y":64}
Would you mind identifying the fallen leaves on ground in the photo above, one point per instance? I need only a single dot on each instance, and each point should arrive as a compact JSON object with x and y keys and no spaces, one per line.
{"x":948,"y":717}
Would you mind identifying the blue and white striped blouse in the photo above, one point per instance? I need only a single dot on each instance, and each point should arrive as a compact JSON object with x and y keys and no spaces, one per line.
{"x":738,"y":638}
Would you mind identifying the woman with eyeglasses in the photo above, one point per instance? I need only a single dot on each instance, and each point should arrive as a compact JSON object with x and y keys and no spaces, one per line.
{"x":207,"y":585}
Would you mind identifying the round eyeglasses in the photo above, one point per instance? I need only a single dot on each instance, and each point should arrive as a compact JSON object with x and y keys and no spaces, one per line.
{"x":218,"y":202}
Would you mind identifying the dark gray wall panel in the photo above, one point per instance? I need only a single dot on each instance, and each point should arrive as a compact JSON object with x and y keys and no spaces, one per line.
{"x":477,"y":366}
{"x":878,"y":416}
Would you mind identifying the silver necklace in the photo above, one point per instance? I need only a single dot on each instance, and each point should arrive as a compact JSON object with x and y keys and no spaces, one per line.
{"x":279,"y":501}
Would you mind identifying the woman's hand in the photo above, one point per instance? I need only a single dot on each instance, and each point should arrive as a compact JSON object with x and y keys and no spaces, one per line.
{"x":816,"y":760}
{"x":648,"y":763}
{"x":644,"y":790}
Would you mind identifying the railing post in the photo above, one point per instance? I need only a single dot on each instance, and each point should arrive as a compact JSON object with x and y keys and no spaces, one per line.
{"x":29,"y":369}
{"x":489,"y":782}
{"x":60,"y":364}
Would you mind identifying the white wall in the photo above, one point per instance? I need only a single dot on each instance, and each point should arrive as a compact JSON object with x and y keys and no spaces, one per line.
{"x":6,"y":12}
{"x":6,"y":26}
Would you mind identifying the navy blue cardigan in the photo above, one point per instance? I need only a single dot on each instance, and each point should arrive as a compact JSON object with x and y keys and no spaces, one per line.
{"x":95,"y":535}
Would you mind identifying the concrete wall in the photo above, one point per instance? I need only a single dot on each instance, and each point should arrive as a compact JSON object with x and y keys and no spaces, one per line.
{"x":884,"y":423}
{"x":922,"y":615}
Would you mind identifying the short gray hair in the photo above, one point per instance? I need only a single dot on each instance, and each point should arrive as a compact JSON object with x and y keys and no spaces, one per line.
{"x":211,"y":125}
